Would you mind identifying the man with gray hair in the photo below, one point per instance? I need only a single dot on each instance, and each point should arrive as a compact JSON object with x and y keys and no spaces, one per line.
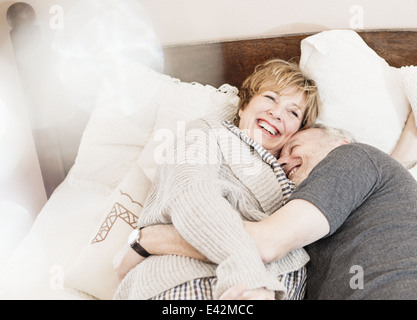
{"x":355,"y":211}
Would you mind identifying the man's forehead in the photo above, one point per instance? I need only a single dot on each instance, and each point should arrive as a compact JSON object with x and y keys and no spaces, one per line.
{"x":305,"y":136}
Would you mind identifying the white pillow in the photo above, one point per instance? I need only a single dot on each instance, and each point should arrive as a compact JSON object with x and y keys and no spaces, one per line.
{"x":182,"y":103}
{"x":15,"y":224}
{"x":124,"y":119}
{"x":93,"y":271}
{"x":360,"y":92}
{"x":119,"y":127}
{"x":38,"y":266}
{"x":409,"y":74}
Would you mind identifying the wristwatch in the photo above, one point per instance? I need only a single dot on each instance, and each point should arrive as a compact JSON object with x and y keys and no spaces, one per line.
{"x":134,"y":243}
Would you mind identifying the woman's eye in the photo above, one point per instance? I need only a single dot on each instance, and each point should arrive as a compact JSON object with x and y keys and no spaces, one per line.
{"x":295,"y":114}
{"x":270,"y":97}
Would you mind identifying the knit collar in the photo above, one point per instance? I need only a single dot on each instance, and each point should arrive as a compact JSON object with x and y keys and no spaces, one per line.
{"x":287,"y":186}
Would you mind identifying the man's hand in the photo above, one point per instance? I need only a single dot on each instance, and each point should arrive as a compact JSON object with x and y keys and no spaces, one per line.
{"x":239,"y":292}
{"x":125,"y":260}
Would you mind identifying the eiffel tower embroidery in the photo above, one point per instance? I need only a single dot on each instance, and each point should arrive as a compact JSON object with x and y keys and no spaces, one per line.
{"x":117,"y":211}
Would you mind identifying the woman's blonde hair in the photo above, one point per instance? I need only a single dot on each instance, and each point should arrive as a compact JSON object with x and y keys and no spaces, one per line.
{"x":277,"y":75}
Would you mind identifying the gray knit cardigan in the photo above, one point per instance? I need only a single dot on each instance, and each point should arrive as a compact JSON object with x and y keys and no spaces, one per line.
{"x":210,"y":181}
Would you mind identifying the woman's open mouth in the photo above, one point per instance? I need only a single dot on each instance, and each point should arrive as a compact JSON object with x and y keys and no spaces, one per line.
{"x":267,"y":127}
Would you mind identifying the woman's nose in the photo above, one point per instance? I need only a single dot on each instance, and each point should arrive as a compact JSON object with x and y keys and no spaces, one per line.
{"x":275,"y":112}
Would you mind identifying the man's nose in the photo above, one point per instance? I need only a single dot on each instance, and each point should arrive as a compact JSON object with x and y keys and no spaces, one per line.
{"x":283,"y":161}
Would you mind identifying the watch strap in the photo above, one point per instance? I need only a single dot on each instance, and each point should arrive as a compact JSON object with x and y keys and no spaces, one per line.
{"x":140,"y":250}
{"x":135,"y":245}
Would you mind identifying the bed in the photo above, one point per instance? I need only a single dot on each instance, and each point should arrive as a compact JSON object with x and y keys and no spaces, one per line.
{"x":368,"y":84}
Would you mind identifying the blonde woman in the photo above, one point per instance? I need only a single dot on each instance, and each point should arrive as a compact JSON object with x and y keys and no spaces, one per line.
{"x":216,"y":176}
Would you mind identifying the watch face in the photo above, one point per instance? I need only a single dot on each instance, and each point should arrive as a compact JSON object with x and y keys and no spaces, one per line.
{"x":134,"y":235}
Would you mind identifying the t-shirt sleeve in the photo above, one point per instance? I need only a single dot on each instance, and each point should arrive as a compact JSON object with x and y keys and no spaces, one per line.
{"x":340,"y":183}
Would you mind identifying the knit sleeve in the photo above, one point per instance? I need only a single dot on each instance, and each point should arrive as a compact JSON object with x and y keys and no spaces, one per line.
{"x":205,"y":218}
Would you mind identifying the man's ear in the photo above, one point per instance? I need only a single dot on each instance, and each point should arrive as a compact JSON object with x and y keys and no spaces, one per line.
{"x":342,"y":141}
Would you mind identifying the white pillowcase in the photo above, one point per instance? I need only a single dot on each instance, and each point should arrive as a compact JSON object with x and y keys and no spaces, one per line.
{"x":125,"y":116}
{"x":409,"y":74}
{"x":360,"y":92}
{"x":119,"y":127}
{"x":93,"y":271}
{"x":196,"y":101}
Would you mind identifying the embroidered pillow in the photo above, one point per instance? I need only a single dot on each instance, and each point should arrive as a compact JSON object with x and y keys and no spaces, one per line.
{"x":93,"y":271}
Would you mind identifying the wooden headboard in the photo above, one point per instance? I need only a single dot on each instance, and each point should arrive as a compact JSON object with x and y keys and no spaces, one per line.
{"x":231,"y":62}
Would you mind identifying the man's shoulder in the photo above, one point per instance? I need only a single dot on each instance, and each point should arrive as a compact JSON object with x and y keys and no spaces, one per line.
{"x":352,"y":160}
{"x":366,"y":159}
{"x":361,"y":148}
{"x":362,"y":151}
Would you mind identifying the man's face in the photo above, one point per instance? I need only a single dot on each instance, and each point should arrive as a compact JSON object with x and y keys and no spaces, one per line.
{"x":303,"y":152}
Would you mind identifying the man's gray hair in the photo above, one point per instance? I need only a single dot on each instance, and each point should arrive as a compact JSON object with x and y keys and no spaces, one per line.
{"x":334,"y":134}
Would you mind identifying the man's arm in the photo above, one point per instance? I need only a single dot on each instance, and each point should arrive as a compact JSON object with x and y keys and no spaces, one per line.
{"x":293,"y":226}
{"x":158,"y":240}
{"x":165,"y":239}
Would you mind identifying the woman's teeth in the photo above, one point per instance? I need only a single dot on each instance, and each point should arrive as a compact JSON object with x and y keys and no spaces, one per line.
{"x":267,"y":127}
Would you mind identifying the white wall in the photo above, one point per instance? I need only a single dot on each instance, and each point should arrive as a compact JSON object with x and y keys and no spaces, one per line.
{"x":183,"y":21}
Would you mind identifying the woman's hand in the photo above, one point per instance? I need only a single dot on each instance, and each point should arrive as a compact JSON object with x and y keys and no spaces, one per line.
{"x":405,"y":151}
{"x":239,"y":292}
{"x":125,"y":260}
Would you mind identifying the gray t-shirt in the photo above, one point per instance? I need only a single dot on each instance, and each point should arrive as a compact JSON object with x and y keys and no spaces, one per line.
{"x":370,"y":201}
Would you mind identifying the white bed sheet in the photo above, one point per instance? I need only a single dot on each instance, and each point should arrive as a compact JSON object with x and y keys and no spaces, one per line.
{"x":36,"y":269}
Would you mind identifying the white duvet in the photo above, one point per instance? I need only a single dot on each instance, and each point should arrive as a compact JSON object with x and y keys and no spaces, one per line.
{"x":36,"y":269}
